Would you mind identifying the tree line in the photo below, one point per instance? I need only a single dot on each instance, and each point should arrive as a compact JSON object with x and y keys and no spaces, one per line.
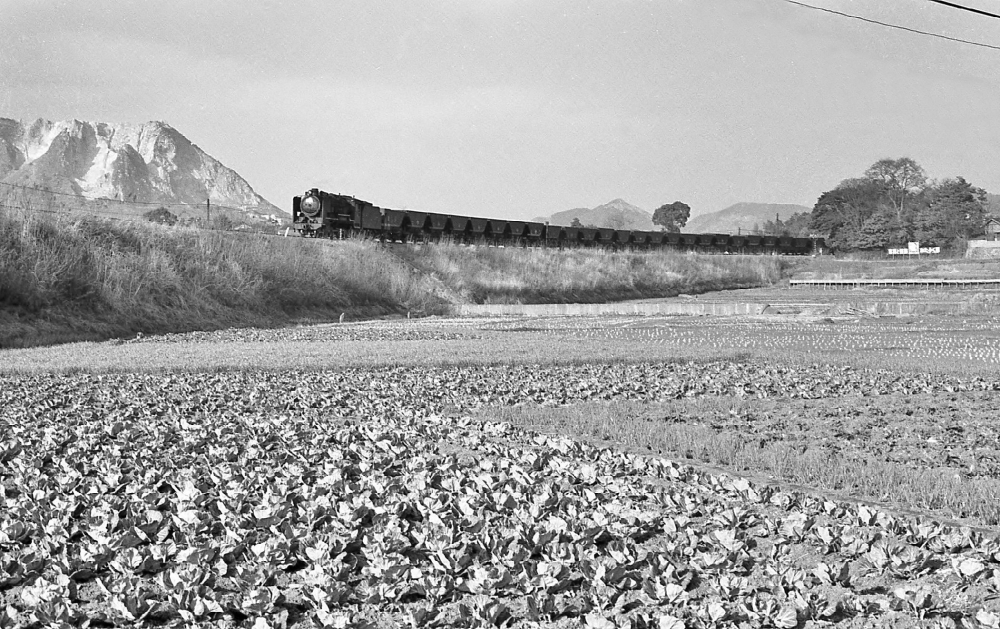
{"x":892,"y":203}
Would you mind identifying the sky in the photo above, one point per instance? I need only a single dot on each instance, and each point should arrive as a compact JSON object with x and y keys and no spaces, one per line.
{"x":522,"y":108}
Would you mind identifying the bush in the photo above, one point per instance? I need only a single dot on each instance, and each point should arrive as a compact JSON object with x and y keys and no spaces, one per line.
{"x":160,"y":215}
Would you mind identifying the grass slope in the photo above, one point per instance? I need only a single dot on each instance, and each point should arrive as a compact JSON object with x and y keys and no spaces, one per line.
{"x":830,"y":267}
{"x":68,"y":279}
{"x":93,"y":279}
{"x":513,"y":275}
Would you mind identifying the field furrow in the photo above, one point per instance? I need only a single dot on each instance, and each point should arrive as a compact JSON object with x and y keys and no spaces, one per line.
{"x":425,"y":497}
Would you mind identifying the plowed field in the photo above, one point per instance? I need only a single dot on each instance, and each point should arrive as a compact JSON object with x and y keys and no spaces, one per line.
{"x":619,"y":472}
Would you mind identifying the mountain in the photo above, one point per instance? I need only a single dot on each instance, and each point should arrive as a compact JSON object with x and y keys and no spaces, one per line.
{"x":133,"y":164}
{"x":741,"y":216}
{"x":616,"y":214}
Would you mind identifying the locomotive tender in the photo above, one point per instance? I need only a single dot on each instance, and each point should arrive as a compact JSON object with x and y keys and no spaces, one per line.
{"x":318,"y":214}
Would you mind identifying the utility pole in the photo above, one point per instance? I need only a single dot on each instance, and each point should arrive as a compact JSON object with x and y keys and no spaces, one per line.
{"x":208,"y":212}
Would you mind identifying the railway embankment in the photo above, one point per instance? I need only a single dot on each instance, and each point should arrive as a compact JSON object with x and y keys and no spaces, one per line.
{"x":74,"y":278}
{"x":90,"y":279}
{"x":65,"y":279}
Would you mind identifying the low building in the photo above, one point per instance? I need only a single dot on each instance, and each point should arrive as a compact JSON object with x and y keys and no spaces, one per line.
{"x":992,"y":228}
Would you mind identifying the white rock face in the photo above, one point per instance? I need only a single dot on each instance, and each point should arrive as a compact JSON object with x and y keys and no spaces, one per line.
{"x":150,"y":162}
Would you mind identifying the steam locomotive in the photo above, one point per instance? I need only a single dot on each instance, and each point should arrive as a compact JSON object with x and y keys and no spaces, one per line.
{"x":318,"y":214}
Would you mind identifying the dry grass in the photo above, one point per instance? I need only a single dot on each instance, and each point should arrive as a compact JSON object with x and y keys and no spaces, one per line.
{"x":91,"y":279}
{"x":830,"y":267}
{"x":538,"y":275}
{"x":72,"y":278}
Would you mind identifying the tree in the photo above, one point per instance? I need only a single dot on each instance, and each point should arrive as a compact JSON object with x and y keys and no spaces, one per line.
{"x":894,"y":204}
{"x":840,"y":214}
{"x":878,"y":231}
{"x":797,"y":225}
{"x":774,"y":228}
{"x":672,"y":216}
{"x":954,"y":213}
{"x":898,"y":178}
{"x":575,"y":222}
{"x":161,"y":215}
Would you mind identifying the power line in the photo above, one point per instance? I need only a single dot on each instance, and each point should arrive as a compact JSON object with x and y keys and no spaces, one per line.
{"x":66,"y":194}
{"x":965,"y":8}
{"x":18,"y":207}
{"x":86,"y":198}
{"x":896,"y":26}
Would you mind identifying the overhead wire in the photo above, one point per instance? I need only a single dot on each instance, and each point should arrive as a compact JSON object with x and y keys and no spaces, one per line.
{"x":897,"y":26}
{"x":106,"y":199}
{"x":965,"y":8}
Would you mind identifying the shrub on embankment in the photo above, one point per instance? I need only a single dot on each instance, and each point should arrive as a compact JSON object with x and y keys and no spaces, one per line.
{"x":538,"y":275}
{"x":65,"y":279}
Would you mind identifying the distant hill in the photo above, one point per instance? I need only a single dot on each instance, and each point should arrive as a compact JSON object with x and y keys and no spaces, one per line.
{"x":616,"y":214}
{"x":742,"y":216}
{"x":123,"y":168}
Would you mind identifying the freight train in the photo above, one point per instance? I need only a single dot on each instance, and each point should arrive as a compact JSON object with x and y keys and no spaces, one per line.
{"x":318,"y":214}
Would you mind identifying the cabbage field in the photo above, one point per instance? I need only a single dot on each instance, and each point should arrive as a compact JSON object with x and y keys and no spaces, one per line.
{"x":420,"y":496}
